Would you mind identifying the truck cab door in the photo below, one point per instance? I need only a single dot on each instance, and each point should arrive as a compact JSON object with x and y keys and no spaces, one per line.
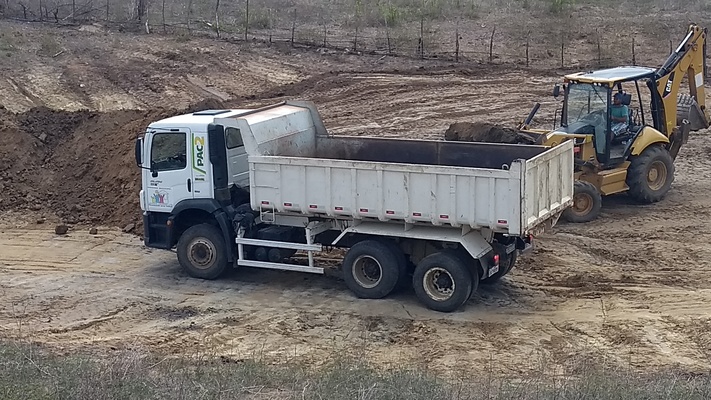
{"x":169,"y":179}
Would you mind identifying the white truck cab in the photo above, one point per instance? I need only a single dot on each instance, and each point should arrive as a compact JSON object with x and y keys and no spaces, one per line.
{"x":250,"y":187}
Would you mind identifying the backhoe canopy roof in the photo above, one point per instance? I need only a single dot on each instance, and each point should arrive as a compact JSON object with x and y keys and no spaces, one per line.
{"x":611,"y":76}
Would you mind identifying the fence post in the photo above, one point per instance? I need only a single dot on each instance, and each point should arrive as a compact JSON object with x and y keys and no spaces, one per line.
{"x":528,"y":43}
{"x":634,"y":53}
{"x":491,"y":45}
{"x":562,"y":49}
{"x":293,"y":28}
{"x":599,"y":47}
{"x":422,"y":37}
{"x":456,"y":43}
{"x":246,"y":21}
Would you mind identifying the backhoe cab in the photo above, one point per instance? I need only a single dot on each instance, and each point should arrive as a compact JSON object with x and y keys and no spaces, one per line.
{"x":628,"y":124}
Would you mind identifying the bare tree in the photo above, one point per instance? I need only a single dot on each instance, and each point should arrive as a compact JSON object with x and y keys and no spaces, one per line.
{"x":190,"y":13}
{"x":217,"y":17}
{"x":246,"y":21}
{"x":141,"y":7}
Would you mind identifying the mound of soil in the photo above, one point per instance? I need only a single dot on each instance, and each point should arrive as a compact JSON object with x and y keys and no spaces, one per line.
{"x":481,"y":132}
{"x":77,"y":165}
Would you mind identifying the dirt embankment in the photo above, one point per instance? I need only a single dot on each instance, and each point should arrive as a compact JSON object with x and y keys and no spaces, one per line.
{"x":76,"y":165}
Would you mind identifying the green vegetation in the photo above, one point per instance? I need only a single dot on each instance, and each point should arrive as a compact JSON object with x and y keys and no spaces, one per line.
{"x":28,"y":372}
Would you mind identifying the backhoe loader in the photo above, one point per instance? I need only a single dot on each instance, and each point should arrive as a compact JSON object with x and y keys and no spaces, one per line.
{"x":623,"y":145}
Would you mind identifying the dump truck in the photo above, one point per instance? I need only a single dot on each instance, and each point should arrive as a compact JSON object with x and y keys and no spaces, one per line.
{"x":253,"y":187}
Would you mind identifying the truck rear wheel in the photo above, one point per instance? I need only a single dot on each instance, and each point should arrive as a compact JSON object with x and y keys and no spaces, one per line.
{"x":587,"y":202}
{"x":650,"y":175}
{"x":202,"y":251}
{"x":372,"y":269}
{"x":443,"y":282}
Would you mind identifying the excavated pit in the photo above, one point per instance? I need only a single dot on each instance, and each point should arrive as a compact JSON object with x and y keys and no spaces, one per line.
{"x":76,"y":165}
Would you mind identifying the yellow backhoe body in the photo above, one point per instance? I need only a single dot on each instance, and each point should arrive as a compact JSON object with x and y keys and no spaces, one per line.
{"x":640,"y":159}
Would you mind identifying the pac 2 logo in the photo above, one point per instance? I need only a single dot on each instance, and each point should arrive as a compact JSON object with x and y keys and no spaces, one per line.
{"x":199,"y":154}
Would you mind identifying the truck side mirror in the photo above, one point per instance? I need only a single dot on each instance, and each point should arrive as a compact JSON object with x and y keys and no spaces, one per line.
{"x":139,"y":152}
{"x":556,"y":91}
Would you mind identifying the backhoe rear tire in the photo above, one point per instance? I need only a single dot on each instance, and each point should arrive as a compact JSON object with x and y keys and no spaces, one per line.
{"x":587,"y":202}
{"x":650,"y":175}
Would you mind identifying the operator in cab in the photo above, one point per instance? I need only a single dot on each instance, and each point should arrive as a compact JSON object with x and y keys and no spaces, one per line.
{"x":620,"y":115}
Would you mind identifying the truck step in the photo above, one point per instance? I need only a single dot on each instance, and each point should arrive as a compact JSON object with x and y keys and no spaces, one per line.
{"x":280,"y":266}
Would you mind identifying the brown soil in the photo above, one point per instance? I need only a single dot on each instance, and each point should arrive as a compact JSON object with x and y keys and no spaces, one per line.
{"x":77,"y":164}
{"x":631,"y":288}
{"x":481,"y":132}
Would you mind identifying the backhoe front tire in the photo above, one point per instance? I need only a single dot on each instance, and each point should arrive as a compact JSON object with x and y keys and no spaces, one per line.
{"x":650,"y":175}
{"x":587,"y":202}
{"x":202,"y":252}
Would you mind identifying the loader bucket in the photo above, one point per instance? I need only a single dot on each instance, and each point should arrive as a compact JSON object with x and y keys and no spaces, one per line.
{"x":688,"y":109}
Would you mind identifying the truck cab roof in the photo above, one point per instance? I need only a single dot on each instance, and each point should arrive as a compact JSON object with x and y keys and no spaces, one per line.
{"x":196,"y":120}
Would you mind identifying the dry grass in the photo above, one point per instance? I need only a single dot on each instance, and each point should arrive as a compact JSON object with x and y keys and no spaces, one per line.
{"x":29,"y":372}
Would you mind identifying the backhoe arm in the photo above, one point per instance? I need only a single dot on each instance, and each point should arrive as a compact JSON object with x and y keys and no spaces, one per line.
{"x":689,"y":59}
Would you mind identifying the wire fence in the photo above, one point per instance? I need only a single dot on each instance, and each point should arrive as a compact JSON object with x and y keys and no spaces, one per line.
{"x":459,"y":39}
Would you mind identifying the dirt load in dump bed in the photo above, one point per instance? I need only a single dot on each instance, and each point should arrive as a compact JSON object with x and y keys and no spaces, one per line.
{"x":482,"y":132}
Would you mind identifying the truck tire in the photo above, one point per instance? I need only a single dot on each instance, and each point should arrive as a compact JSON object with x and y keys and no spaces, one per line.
{"x":650,"y":175}
{"x":443,"y":282}
{"x":371,"y":269}
{"x":404,"y":280}
{"x":587,"y":202}
{"x":505,"y":266}
{"x":202,"y":251}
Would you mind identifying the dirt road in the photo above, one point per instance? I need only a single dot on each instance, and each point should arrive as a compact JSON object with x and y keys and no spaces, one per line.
{"x":632,"y":288}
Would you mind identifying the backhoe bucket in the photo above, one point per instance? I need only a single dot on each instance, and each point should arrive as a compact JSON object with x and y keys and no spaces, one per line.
{"x":688,"y":109}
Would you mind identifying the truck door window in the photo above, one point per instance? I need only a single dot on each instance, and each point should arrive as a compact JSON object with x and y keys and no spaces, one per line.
{"x":168,"y":152}
{"x":234,"y":138}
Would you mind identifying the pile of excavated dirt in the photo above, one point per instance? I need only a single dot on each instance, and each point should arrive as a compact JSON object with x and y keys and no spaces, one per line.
{"x":481,"y":132}
{"x":77,"y":165}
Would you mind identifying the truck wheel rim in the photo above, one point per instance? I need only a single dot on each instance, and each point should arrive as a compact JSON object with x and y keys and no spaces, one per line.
{"x":367,"y":271}
{"x":438,"y":284}
{"x":657,"y":175}
{"x":582,"y":204}
{"x":202,"y":253}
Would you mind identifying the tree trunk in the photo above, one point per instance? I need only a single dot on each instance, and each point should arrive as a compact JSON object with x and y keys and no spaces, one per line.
{"x":190,"y":13}
{"x":246,"y":22}
{"x":217,"y":18}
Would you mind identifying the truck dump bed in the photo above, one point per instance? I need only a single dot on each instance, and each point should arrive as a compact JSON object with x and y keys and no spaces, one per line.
{"x":301,"y":169}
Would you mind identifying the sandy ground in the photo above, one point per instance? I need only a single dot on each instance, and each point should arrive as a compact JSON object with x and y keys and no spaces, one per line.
{"x":632,"y":288}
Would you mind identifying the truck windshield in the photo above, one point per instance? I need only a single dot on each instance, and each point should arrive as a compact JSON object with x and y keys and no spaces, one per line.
{"x":586,"y":102}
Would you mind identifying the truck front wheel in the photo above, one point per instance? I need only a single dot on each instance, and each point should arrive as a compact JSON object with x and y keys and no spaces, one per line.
{"x":202,"y":251}
{"x":443,"y":282}
{"x":372,"y":269}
